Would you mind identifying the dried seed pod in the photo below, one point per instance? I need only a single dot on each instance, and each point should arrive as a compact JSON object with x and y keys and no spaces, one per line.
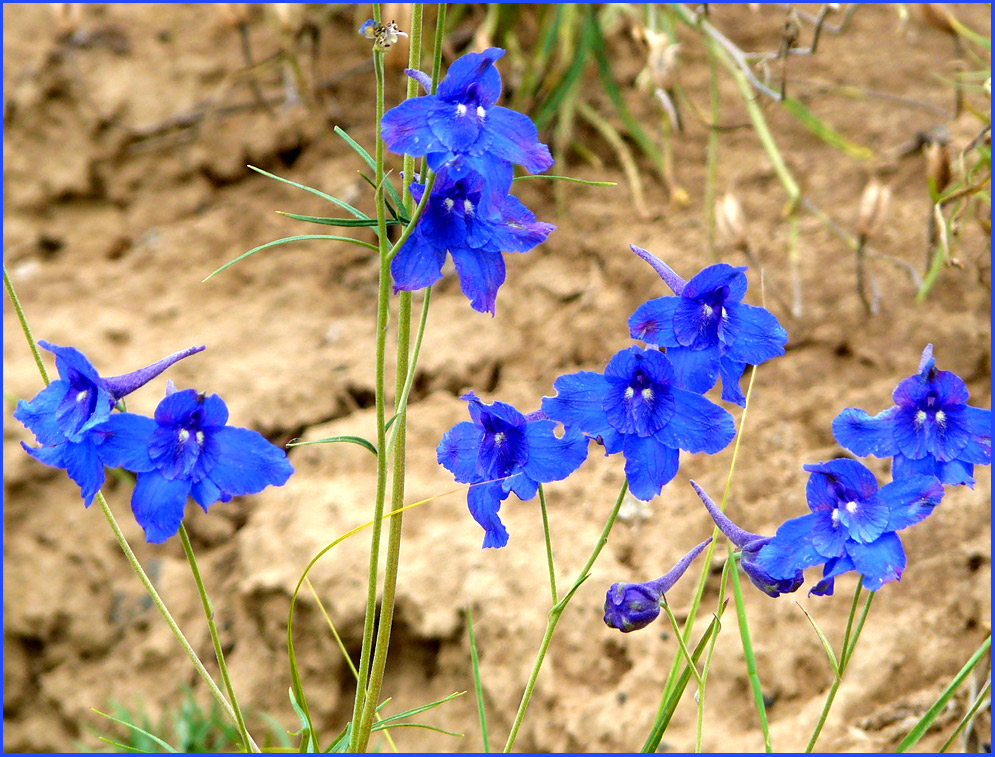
{"x":873,"y":207}
{"x":937,"y":165}
{"x":731,"y":223}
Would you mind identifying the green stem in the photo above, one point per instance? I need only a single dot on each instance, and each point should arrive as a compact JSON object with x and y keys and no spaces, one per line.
{"x":554,"y":616}
{"x":686,"y":654}
{"x":549,"y":544}
{"x":751,"y":662}
{"x":209,"y":613}
{"x":383,"y":311}
{"x":720,"y":605}
{"x":399,"y":428}
{"x":123,"y":542}
{"x":849,"y":644}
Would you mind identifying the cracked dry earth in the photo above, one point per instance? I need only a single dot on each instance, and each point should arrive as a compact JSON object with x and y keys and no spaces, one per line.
{"x":122,"y":191}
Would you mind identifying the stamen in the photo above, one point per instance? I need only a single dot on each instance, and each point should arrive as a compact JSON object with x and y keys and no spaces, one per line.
{"x":707,"y":310}
{"x":81,"y":397}
{"x":461,"y":110}
{"x":647,"y":394}
{"x":449,"y":203}
{"x":184,"y":435}
{"x":941,"y":418}
{"x":481,"y":112}
{"x":629,"y":392}
{"x":499,"y":438}
{"x":200,"y":438}
{"x":920,"y":417}
{"x":851,"y":507}
{"x":836,"y":518}
{"x":468,"y":207}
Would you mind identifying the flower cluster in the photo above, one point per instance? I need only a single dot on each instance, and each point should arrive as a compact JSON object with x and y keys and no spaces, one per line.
{"x":185,"y":450}
{"x":471,"y":144}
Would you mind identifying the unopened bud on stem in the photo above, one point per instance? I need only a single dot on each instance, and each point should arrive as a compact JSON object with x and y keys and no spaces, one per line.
{"x":873,"y":207}
{"x":732,"y":225}
{"x":937,"y":165}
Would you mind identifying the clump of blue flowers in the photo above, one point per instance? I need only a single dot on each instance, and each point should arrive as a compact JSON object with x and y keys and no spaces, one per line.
{"x":707,"y":329}
{"x":467,"y":220}
{"x":188,"y":450}
{"x":471,"y":144}
{"x":852,"y":526}
{"x":930,"y":430}
{"x":629,"y":607}
{"x":638,"y":408}
{"x":66,"y":415}
{"x":503,"y":451}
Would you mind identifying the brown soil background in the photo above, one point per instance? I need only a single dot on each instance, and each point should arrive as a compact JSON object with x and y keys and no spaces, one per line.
{"x":107,"y":236}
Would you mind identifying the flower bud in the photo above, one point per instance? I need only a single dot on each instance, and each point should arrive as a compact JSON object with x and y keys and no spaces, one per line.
{"x":732,"y":225}
{"x":873,"y":207}
{"x":629,"y":607}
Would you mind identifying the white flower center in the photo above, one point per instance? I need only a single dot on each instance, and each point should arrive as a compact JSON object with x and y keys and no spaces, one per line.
{"x":468,"y":207}
{"x":481,"y":112}
{"x":836,"y":518}
{"x":184,"y":435}
{"x":707,"y":310}
{"x":920,"y":417}
{"x":647,"y":394}
{"x":629,"y":392}
{"x":461,"y":110}
{"x":449,"y":203}
{"x":200,"y":438}
{"x":499,"y":438}
{"x":851,"y":507}
{"x":941,"y":418}
{"x":81,"y":397}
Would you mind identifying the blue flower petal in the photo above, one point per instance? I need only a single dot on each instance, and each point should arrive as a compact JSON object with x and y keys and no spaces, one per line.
{"x":78,"y":459}
{"x":880,"y":561}
{"x":649,"y":465}
{"x":759,"y":337}
{"x":417,"y":265}
{"x":579,"y":402}
{"x":978,"y":422}
{"x":524,"y":487}
{"x":731,"y":372}
{"x":458,"y":126}
{"x":174,"y":451}
{"x":911,"y":437}
{"x":955,"y":473}
{"x":457,"y":452}
{"x":484,"y":501}
{"x":176,"y":408}
{"x":405,"y":128}
{"x":68,"y":359}
{"x":632,"y":407}
{"x":852,"y":479}
{"x":38,"y":415}
{"x":215,"y":411}
{"x":247,"y":463}
{"x":865,"y":520}
{"x":697,"y":425}
{"x":476,"y":70}
{"x":127,"y":442}
{"x":653,"y":322}
{"x":833,"y":568}
{"x":910,"y":500}
{"x":481,"y":273}
{"x":865,"y":434}
{"x":791,"y":549}
{"x":628,"y":362}
{"x":158,"y":505}
{"x":419,"y":76}
{"x":828,"y":535}
{"x":205,"y":493}
{"x":514,"y":138}
{"x":695,"y":324}
{"x":694,"y":370}
{"x":519,"y":230}
{"x":550,"y":458}
{"x":711,"y":280}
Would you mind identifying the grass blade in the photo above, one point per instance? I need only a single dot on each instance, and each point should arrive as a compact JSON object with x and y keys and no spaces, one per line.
{"x":350,"y":222}
{"x":135,"y":728}
{"x":586,"y":182}
{"x":751,"y":661}
{"x":344,"y":205}
{"x":395,"y":198}
{"x":927,"y":720}
{"x":476,"y":682}
{"x":824,"y":641}
{"x":825,"y":132}
{"x":288,"y":240}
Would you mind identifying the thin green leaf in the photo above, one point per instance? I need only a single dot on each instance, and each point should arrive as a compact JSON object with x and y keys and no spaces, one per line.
{"x":420,"y":709}
{"x":751,"y":662}
{"x":325,"y":221}
{"x":288,"y":240}
{"x":824,"y":641}
{"x":394,"y":196}
{"x":344,"y":205}
{"x":396,"y":217}
{"x":332,"y":439}
{"x":382,"y":727}
{"x":306,"y":732}
{"x":983,"y":698}
{"x":121,"y":747}
{"x":825,"y":132}
{"x":476,"y":682}
{"x":660,"y":726}
{"x":927,"y":720}
{"x":135,"y":728}
{"x":586,"y":182}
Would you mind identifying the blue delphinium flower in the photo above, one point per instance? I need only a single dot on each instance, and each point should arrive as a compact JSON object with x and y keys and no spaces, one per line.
{"x":629,"y":607}
{"x":461,"y":119}
{"x":502,"y":451}
{"x":64,"y":414}
{"x":852,"y":525}
{"x":187,"y":450}
{"x":749,"y":546}
{"x":930,"y":430}
{"x":706,"y":328}
{"x":475,"y":225}
{"x":636,"y":408}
